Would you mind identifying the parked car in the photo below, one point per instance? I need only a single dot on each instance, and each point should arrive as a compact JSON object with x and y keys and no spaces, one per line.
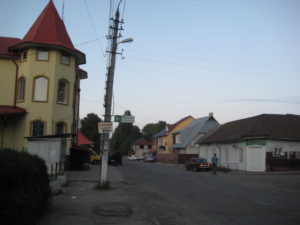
{"x":197,"y":164}
{"x":149,"y":158}
{"x":115,"y":159}
{"x":135,"y":157}
{"x":94,"y":157}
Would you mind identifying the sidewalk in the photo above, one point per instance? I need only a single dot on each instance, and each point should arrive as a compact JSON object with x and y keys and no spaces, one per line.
{"x":82,"y":204}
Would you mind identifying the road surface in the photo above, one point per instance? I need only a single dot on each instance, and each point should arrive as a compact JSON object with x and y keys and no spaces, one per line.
{"x":170,"y":195}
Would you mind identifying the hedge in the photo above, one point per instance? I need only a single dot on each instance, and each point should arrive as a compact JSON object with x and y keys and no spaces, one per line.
{"x":24,"y":188}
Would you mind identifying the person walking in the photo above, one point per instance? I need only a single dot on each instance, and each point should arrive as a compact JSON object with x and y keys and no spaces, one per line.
{"x":214,"y":161}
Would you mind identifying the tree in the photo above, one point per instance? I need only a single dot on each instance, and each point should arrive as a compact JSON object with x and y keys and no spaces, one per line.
{"x":124,"y":136}
{"x":153,"y":128}
{"x":89,"y":127}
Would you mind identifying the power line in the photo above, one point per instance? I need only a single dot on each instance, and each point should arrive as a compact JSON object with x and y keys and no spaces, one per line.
{"x":210,"y":69}
{"x":86,"y":42}
{"x":213,"y":60}
{"x":93,"y":25}
{"x":120,"y":106}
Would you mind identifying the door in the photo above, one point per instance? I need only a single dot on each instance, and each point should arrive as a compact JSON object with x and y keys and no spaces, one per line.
{"x":255,"y":158}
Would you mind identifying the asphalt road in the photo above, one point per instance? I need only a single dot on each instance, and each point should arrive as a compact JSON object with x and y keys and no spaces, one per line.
{"x":172,"y":196}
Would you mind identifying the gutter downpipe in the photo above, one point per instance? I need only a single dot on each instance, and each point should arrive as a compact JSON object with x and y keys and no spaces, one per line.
{"x":16,"y":81}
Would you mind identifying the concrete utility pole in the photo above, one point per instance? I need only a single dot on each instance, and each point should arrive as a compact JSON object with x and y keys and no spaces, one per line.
{"x":109,"y":93}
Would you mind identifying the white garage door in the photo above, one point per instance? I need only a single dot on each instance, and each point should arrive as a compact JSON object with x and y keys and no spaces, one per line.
{"x":256,"y":158}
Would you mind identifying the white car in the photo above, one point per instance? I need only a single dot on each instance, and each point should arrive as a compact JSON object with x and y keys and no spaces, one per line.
{"x":135,"y":157}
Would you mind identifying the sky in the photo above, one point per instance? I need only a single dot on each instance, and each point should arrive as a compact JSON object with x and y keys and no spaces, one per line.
{"x":235,"y":58}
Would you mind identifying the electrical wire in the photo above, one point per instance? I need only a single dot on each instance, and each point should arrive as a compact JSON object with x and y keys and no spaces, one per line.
{"x":213,"y":60}
{"x":123,"y":107}
{"x":93,"y":26}
{"x":211,"y":69}
{"x":87,"y":42}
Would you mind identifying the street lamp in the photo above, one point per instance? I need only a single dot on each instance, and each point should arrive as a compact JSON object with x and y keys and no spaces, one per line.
{"x":127,"y":40}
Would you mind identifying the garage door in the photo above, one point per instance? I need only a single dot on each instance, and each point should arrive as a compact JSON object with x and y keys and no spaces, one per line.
{"x":256,"y":158}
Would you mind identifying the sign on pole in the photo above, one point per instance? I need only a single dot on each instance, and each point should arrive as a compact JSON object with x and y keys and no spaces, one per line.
{"x":105,"y":127}
{"x":124,"y":119}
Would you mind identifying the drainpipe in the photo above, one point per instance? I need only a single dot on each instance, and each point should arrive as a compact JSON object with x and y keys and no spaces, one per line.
{"x":16,"y":81}
{"x":76,"y":93}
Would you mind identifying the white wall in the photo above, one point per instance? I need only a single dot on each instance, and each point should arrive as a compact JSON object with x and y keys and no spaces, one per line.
{"x":230,"y":155}
{"x":241,"y":157}
{"x":286,"y":146}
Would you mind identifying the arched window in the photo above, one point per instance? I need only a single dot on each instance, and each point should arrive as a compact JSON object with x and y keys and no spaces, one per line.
{"x":21,"y":89}
{"x":61,"y":128}
{"x":38,"y":128}
{"x":62,"y":93}
{"x":40,"y":89}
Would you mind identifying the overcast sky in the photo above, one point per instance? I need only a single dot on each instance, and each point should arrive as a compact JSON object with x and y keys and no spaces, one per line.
{"x":235,"y":58}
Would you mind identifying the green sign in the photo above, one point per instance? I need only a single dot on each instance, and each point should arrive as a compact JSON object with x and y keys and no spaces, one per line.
{"x":124,"y":119}
{"x":118,"y":119}
{"x":256,"y":142}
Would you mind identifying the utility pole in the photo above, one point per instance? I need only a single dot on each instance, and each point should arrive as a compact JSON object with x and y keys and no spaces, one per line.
{"x":109,"y":93}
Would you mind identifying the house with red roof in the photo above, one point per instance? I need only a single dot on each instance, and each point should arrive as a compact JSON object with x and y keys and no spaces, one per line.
{"x":39,"y":82}
{"x":142,"y":146}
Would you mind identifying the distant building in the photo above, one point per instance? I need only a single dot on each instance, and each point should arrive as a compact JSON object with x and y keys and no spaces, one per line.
{"x":142,"y":146}
{"x":39,"y":82}
{"x":260,"y":143}
{"x":163,"y":140}
{"x":184,"y":140}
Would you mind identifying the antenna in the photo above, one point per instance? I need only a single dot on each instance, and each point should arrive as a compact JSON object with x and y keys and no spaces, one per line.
{"x":63,"y":9}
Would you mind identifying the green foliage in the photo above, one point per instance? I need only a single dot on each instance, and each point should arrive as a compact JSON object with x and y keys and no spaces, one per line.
{"x":153,"y":128}
{"x":123,"y":138}
{"x":24,"y":188}
{"x":89,"y":127}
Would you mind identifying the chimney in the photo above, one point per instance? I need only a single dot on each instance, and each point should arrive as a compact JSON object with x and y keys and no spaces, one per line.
{"x":210,"y":114}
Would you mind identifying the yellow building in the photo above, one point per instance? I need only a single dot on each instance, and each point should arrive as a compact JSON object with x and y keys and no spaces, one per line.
{"x":39,"y":82}
{"x":163,"y":141}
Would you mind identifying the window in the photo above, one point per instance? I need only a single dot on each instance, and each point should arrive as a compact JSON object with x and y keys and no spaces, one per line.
{"x":62,"y":93}
{"x":43,"y":54}
{"x":61,"y":128}
{"x":37,"y":128}
{"x":141,"y":146}
{"x":277,"y":153}
{"x":40,"y":91}
{"x":65,"y":58}
{"x":24,"y":56}
{"x":21,"y":89}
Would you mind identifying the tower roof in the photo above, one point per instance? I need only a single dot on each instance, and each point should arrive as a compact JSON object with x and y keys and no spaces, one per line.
{"x":49,"y":31}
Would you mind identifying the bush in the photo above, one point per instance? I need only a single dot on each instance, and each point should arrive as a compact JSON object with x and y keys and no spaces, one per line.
{"x":24,"y":188}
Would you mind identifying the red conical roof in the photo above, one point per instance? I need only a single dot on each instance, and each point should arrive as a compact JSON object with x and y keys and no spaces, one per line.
{"x":49,"y":29}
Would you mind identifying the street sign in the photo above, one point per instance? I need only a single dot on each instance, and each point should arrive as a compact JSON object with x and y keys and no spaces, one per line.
{"x":124,"y":119}
{"x":118,"y":119}
{"x":105,"y":127}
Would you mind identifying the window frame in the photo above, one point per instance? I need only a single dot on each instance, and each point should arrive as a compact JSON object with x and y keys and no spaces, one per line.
{"x":18,"y":89}
{"x":42,"y":50}
{"x":24,"y":59}
{"x":34,"y":88}
{"x":67,"y":87}
{"x":64,"y":127}
{"x":32,"y":128}
{"x":65,"y":54}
